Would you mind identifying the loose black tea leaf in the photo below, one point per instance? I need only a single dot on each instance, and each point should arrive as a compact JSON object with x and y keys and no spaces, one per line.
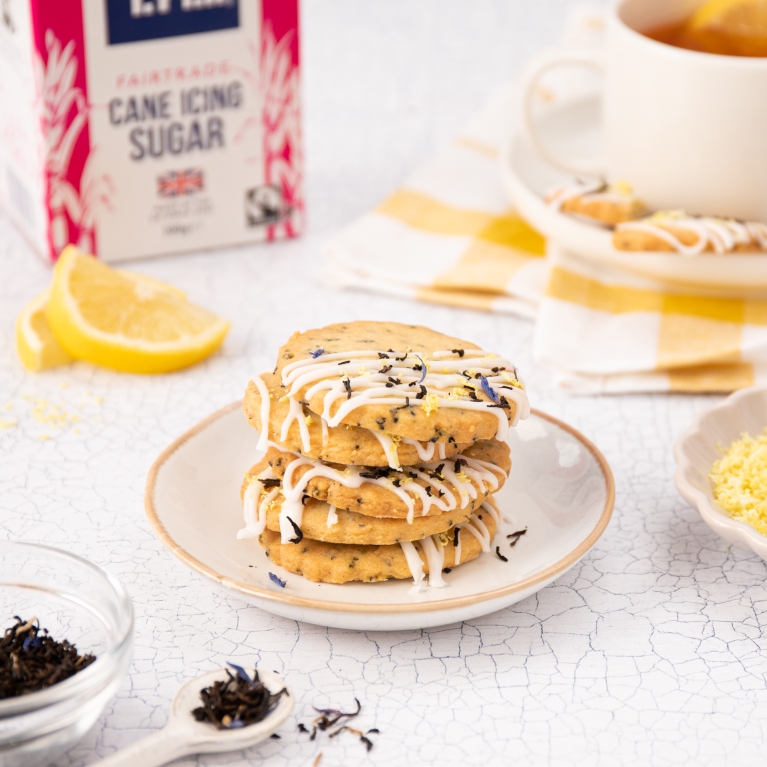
{"x":237,"y":701}
{"x":31,"y":660}
{"x":516,"y":536}
{"x":500,"y":556}
{"x":330,"y":717}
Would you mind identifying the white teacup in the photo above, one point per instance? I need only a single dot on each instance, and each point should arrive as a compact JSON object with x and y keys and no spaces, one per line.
{"x":687,"y":130}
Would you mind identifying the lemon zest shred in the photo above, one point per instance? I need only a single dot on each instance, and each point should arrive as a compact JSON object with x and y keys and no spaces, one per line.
{"x":430,"y":404}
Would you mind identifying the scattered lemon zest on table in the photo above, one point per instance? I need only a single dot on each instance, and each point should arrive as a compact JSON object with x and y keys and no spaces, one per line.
{"x":740,"y":481}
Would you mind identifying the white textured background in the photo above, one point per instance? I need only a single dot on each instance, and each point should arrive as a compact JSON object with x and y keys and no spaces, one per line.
{"x":651,"y":651}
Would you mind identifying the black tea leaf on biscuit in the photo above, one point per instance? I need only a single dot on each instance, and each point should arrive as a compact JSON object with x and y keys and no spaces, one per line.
{"x":297,"y":530}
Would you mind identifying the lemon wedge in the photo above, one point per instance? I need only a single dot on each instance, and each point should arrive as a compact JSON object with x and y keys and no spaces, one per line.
{"x":113,"y":319}
{"x":736,"y":27}
{"x":741,"y":16}
{"x":38,"y":347}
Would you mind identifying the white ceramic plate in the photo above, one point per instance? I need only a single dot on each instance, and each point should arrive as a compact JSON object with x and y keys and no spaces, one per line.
{"x":561,"y":488}
{"x":697,"y":449}
{"x":571,"y":130}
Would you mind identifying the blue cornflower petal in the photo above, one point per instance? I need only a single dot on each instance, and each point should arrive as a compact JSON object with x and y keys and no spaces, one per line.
{"x":492,"y":393}
{"x":276,"y":579}
{"x":423,"y":367}
{"x":240,"y":671}
{"x":31,"y":643}
{"x":317,"y":353}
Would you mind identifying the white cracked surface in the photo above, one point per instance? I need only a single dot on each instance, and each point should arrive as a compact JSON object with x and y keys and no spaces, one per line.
{"x":650,"y":651}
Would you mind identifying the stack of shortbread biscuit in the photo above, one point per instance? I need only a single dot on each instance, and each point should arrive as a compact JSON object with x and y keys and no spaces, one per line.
{"x":383,"y":446}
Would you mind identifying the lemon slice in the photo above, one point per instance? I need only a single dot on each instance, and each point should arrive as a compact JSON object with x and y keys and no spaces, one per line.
{"x":741,"y":17}
{"x":118,"y":321}
{"x":36,"y":343}
{"x":730,"y":27}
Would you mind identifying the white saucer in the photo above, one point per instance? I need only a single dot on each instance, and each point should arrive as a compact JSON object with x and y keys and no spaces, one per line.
{"x":561,"y":489}
{"x":572,"y":130}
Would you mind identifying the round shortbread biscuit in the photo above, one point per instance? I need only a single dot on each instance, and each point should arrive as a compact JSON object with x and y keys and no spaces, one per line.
{"x":340,"y":563}
{"x":352,"y":528}
{"x":343,"y":444}
{"x":381,"y":501}
{"x":418,"y":421}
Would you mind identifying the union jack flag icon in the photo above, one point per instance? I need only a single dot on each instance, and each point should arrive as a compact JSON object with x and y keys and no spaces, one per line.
{"x":178,"y":183}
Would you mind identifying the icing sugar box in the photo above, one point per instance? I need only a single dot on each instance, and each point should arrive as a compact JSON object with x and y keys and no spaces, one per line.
{"x":144,"y":127}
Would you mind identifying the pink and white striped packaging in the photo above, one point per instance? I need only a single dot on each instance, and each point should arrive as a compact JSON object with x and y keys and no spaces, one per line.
{"x":146,"y":127}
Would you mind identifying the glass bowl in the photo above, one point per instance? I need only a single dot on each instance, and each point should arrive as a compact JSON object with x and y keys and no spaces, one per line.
{"x":75,"y":600}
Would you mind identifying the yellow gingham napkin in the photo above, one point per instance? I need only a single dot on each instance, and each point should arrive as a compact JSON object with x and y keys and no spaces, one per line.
{"x":607,"y":331}
{"x":448,"y":236}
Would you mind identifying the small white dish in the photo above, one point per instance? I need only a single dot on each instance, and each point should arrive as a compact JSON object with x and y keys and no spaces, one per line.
{"x":561,"y":489}
{"x":572,"y":130}
{"x":710,"y":432}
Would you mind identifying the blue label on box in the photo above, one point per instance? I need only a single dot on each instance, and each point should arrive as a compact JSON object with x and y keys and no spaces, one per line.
{"x":132,"y":20}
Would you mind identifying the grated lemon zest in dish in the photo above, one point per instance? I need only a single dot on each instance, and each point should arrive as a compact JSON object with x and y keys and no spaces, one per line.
{"x":740,"y":481}
{"x":430,"y":403}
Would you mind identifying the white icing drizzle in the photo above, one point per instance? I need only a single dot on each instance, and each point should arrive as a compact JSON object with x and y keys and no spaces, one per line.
{"x":479,"y":530}
{"x":492,"y":511}
{"x":425,"y":452}
{"x":435,"y":557}
{"x":722,"y":235}
{"x":435,"y":552}
{"x":324,"y":424}
{"x":332,"y":516}
{"x":255,"y":504}
{"x":453,"y":483}
{"x":595,"y":190}
{"x":399,"y":385}
{"x":263,"y":392}
{"x":389,"y":447}
{"x":414,"y":562}
{"x":296,"y":413}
